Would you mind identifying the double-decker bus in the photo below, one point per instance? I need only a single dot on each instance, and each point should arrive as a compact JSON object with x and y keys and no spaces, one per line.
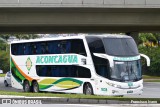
{"x":101,"y":65}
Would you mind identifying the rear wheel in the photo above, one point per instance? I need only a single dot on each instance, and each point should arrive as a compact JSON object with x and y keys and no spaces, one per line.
{"x":5,"y":83}
{"x":35,"y":87}
{"x":88,"y":90}
{"x":26,"y":86}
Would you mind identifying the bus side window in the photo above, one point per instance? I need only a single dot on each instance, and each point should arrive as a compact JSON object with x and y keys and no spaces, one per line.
{"x":44,"y":48}
{"x":83,"y":72}
{"x":20,"y":49}
{"x":33,"y":49}
{"x":64,"y":46}
{"x":38,"y":49}
{"x":51,"y":47}
{"x":26,"y":49}
{"x":14,"y":49}
{"x":78,"y":47}
{"x":97,"y":47}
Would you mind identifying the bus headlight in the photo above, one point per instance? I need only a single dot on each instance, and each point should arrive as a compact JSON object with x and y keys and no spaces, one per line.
{"x":113,"y":85}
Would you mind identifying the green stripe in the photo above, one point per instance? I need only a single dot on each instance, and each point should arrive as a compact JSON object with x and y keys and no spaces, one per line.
{"x":68,"y":79}
{"x":16,"y":74}
{"x":42,"y":87}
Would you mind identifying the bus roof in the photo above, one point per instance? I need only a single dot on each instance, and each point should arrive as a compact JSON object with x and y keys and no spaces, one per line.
{"x":49,"y":39}
{"x":72,"y":37}
{"x":109,"y":36}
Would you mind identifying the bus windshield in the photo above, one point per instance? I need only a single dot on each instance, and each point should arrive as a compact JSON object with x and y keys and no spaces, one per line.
{"x":126,"y":71}
{"x":120,"y":46}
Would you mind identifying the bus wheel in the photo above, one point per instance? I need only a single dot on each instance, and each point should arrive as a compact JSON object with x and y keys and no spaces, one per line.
{"x":88,"y":90}
{"x":5,"y":83}
{"x":26,"y":86}
{"x":35,"y":87}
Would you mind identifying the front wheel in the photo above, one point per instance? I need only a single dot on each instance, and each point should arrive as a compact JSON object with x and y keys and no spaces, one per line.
{"x":26,"y":86}
{"x":88,"y":90}
{"x":35,"y":87}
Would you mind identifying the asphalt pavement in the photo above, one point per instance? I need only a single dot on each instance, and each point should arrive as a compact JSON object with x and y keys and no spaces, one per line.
{"x":9,"y":88}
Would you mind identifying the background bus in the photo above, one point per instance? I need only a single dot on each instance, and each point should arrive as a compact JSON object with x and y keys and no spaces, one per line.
{"x":101,"y":65}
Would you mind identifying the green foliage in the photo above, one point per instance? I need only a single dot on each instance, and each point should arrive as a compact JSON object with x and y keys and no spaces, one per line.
{"x":5,"y":36}
{"x":154,"y":55}
{"x":2,"y":75}
{"x":4,"y":61}
{"x":26,"y":36}
{"x":148,"y":37}
{"x":141,"y":38}
{"x":4,"y":48}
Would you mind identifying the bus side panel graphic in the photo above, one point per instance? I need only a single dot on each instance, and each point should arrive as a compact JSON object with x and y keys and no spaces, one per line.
{"x":61,"y":83}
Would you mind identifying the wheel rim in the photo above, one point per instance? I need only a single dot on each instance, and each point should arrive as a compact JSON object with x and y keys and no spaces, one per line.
{"x":26,"y":87}
{"x":35,"y":88}
{"x":5,"y":83}
{"x":88,"y":90}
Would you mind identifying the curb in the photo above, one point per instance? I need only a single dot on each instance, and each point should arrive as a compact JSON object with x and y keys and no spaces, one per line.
{"x":59,"y":100}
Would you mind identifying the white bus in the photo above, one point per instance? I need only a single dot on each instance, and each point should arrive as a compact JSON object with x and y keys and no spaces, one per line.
{"x":101,"y":65}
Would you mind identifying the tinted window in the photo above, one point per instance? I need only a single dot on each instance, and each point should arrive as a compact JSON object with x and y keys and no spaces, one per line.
{"x":95,"y":45}
{"x":50,"y":47}
{"x":78,"y":47}
{"x":62,"y":71}
{"x":120,"y":46}
{"x":101,"y":66}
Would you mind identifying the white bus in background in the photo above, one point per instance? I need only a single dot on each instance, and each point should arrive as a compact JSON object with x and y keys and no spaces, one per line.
{"x":101,"y":65}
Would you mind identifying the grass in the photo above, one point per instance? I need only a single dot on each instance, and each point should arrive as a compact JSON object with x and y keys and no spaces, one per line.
{"x":147,"y":80}
{"x":81,"y":96}
{"x":150,"y":77}
{"x":2,"y":75}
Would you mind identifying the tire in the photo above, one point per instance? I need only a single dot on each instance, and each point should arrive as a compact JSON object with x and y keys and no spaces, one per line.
{"x":26,"y":86}
{"x":5,"y":83}
{"x":35,"y":87}
{"x":119,"y":95}
{"x":88,"y":90}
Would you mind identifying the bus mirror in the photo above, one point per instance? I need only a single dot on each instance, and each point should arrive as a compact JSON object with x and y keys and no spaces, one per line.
{"x":147,"y":59}
{"x":105,"y":57}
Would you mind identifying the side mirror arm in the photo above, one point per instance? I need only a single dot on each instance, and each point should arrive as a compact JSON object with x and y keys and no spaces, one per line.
{"x":147,"y":59}
{"x":111,"y":62}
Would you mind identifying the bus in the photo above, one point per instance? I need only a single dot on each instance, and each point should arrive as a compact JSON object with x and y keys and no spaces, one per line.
{"x":86,"y":64}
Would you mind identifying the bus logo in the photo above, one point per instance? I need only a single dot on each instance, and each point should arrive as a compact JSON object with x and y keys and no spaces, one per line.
{"x":28,"y":63}
{"x":130,"y":84}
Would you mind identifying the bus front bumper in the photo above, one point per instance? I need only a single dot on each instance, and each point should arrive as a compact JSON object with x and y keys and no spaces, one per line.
{"x":116,"y":92}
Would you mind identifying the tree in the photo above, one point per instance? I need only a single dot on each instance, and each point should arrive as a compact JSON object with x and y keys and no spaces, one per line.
{"x":3,"y":43}
{"x":4,"y":61}
{"x":26,"y":36}
{"x":157,"y":36}
{"x":5,"y":36}
{"x":142,"y":38}
{"x":153,"y":53}
{"x":148,"y":39}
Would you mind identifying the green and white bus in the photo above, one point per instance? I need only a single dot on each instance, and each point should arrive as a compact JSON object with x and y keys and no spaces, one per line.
{"x":101,"y":65}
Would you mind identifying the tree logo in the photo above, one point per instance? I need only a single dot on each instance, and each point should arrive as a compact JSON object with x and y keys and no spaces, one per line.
{"x":28,"y":63}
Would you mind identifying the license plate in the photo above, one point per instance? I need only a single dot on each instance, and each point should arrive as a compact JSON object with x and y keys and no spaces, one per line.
{"x":129,"y":91}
